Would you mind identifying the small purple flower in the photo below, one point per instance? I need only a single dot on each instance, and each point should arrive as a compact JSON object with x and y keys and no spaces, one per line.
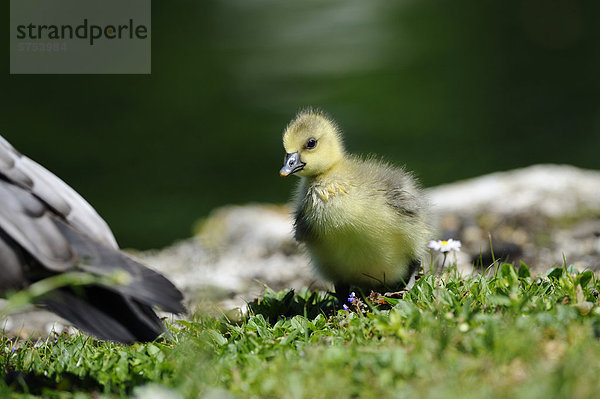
{"x":351,"y":297}
{"x":346,"y":308}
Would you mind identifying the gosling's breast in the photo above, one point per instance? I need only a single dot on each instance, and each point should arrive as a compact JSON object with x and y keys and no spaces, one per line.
{"x":354,"y":235}
{"x":320,"y":209}
{"x":328,"y":209}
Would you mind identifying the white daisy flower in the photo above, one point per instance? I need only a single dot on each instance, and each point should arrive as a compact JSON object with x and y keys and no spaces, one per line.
{"x":445,"y":246}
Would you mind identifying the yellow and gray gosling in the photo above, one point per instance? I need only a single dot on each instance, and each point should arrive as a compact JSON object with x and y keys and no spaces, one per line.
{"x":362,"y":220}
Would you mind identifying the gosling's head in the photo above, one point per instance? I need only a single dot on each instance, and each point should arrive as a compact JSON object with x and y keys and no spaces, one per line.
{"x":313,"y":145}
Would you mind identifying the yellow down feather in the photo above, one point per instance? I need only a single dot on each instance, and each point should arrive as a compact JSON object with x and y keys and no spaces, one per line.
{"x":363,"y":221}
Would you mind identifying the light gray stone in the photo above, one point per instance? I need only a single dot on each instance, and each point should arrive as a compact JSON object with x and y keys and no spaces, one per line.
{"x":548,"y":190}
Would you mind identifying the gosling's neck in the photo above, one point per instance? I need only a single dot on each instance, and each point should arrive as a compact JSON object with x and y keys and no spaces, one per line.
{"x":329,"y":184}
{"x":338,"y":172}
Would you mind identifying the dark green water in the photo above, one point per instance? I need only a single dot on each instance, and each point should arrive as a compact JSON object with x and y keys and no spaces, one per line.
{"x":452,"y":89}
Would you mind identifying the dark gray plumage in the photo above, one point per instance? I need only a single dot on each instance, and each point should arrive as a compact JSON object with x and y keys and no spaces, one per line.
{"x":46,"y":228}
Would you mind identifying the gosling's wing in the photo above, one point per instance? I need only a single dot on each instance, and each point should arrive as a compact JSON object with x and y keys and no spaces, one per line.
{"x":62,"y":199}
{"x":401,"y":191}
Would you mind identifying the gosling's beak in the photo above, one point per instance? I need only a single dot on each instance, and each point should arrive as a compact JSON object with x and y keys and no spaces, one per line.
{"x":292,"y":164}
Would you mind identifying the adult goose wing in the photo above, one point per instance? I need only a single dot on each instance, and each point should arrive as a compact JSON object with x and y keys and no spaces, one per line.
{"x":46,"y":228}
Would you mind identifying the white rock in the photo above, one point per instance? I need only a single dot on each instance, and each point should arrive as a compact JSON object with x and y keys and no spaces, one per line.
{"x":238,"y":249}
{"x":549,"y":190}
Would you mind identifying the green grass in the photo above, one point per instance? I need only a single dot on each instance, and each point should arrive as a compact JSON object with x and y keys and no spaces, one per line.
{"x":505,"y":334}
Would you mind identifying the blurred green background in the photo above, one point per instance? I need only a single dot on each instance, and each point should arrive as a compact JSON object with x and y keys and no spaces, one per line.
{"x":452,"y":89}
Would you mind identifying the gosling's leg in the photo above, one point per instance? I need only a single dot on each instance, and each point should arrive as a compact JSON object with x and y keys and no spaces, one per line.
{"x":342,"y":292}
{"x":405,"y":286}
{"x":413,"y":269}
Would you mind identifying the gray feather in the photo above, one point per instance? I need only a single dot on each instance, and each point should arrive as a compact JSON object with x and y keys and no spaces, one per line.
{"x":46,"y":228}
{"x":26,"y":220}
{"x":401,"y":192}
{"x":146,"y":285}
{"x":55,"y":193}
{"x":12,"y":261}
{"x":112,"y":317}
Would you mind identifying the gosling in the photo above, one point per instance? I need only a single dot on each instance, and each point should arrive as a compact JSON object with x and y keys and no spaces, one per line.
{"x":363,"y":221}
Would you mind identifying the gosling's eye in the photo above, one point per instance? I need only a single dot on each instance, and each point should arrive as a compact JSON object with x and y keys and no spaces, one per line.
{"x":311,"y":143}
